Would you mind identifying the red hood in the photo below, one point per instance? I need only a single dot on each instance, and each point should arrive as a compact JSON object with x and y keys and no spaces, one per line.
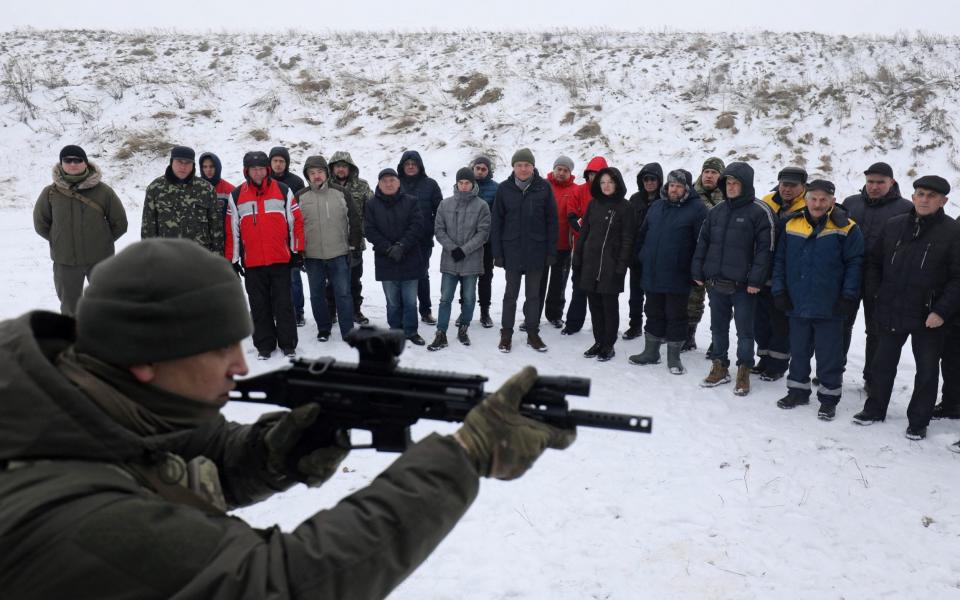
{"x":596,"y":164}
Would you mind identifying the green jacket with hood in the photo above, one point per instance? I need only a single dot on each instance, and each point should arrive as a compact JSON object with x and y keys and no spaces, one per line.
{"x":77,"y":522}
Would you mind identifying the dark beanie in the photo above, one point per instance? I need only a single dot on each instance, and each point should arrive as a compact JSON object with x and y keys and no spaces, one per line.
{"x":161,"y":299}
{"x":523,"y":155}
{"x":183,"y":153}
{"x":466,"y":173}
{"x":388,"y":172}
{"x":255,"y":159}
{"x":483,"y":160}
{"x":933,"y":182}
{"x":879,"y":168}
{"x":74,"y":151}
{"x":714,"y":164}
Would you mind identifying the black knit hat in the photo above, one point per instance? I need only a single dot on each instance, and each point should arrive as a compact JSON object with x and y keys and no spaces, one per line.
{"x":255,"y":159}
{"x":879,"y":168}
{"x":182,"y":153}
{"x":482,"y":160}
{"x":466,"y":173}
{"x":933,"y":182}
{"x":73,"y":152}
{"x":161,"y":299}
{"x":823,"y":185}
{"x":388,"y":172}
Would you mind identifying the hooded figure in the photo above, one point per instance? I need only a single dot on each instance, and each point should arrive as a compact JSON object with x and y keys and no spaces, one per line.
{"x":427,"y":193}
{"x":221,"y":186}
{"x":291,"y":180}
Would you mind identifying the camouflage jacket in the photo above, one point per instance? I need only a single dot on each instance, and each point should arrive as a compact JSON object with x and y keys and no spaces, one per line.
{"x":711,"y":199}
{"x":188,"y":210}
{"x":356,"y":189}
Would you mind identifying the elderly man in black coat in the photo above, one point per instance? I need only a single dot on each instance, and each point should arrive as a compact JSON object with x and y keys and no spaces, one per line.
{"x":912,"y":273}
{"x":523,"y":238}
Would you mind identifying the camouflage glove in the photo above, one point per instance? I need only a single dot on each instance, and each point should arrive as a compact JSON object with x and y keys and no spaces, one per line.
{"x":285,"y":457}
{"x":500,"y":441}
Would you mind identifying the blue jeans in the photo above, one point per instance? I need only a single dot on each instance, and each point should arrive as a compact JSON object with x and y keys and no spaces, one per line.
{"x":337,"y":272}
{"x":825,"y":338}
{"x":401,"y":305}
{"x":740,"y":306}
{"x":468,"y":295}
{"x":296,"y":292}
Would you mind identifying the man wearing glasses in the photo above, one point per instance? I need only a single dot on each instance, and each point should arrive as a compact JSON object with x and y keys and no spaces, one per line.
{"x":81,"y":217}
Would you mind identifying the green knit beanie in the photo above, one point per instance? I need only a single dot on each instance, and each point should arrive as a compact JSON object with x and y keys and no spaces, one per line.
{"x":713,"y":163}
{"x":522,"y":155}
{"x":161,"y":299}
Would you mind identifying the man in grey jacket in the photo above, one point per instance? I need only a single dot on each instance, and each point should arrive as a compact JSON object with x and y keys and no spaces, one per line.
{"x":331,"y":231}
{"x":81,"y":217}
{"x":462,"y":228}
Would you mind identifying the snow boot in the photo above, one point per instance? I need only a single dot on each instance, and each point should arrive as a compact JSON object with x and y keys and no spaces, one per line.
{"x":439,"y":341}
{"x":691,"y":342}
{"x":651,"y":352}
{"x":506,"y":341}
{"x":742,"y":388}
{"x":485,"y":321}
{"x":719,"y":373}
{"x":462,"y":336}
{"x":673,"y":358}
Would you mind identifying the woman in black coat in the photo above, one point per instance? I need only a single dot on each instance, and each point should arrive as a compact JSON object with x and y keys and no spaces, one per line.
{"x":602,"y":255}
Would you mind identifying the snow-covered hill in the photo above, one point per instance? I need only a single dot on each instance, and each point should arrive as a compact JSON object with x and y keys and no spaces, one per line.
{"x":730,"y":497}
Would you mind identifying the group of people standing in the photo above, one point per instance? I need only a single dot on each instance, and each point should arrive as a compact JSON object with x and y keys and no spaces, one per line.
{"x":789,"y":269}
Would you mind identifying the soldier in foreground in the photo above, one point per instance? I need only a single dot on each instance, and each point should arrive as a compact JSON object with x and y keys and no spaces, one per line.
{"x":117,"y":468}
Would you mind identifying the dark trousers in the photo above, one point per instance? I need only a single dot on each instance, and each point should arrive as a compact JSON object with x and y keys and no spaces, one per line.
{"x":68,"y":281}
{"x":667,"y":316}
{"x":870,"y":351}
{"x":823,"y":337}
{"x":423,"y":285}
{"x":296,"y":291}
{"x":336,"y":273}
{"x":485,"y":281}
{"x":636,"y":296}
{"x":771,"y":329}
{"x":740,"y":307}
{"x":531,"y":301}
{"x":927,"y":345}
{"x":577,"y":311}
{"x":553,"y":286}
{"x":356,"y":290}
{"x":605,"y":314}
{"x":950,"y":367}
{"x":274,"y":322}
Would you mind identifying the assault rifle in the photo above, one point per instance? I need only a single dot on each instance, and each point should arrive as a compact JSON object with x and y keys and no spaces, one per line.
{"x":377,"y":396}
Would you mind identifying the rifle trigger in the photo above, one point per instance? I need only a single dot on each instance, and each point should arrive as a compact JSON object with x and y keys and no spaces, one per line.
{"x":320,"y":366}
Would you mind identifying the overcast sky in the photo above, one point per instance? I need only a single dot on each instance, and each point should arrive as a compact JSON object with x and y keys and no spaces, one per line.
{"x":825,"y":16}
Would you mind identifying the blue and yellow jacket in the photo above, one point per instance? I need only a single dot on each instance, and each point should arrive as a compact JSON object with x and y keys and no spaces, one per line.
{"x":817,"y":263}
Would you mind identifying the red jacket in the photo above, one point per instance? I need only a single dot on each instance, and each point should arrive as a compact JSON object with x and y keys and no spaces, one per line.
{"x":565,"y":195}
{"x":596,"y":164}
{"x":265,"y":222}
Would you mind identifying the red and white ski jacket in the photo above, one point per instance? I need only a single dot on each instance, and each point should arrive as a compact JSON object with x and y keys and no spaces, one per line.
{"x":263,"y":223}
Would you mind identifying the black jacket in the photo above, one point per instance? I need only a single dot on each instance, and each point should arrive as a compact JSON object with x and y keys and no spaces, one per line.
{"x":736,"y":239}
{"x":872,"y":215}
{"x":525,"y":227}
{"x":604,"y":249}
{"x":391,"y":219}
{"x":913,"y":270}
{"x":425,"y":190}
{"x":642,"y":201}
{"x":666,"y":242}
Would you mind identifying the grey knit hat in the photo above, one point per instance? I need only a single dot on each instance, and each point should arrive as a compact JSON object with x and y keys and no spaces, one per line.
{"x":563,"y":161}
{"x":161,"y":299}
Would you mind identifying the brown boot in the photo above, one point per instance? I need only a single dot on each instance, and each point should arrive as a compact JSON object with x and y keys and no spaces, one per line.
{"x":743,"y":381}
{"x":506,"y":340}
{"x":534,"y":341}
{"x":719,"y":373}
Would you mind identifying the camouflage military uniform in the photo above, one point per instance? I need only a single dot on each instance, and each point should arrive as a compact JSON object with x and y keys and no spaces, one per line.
{"x":189,"y":210}
{"x":698,"y":293}
{"x":358,"y":191}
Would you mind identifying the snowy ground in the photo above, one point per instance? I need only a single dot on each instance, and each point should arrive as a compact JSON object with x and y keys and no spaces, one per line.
{"x":729,"y":497}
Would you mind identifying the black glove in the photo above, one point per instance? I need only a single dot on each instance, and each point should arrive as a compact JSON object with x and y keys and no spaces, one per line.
{"x":296,"y":260}
{"x":845,"y":307}
{"x":287,"y":456}
{"x":238,"y":269}
{"x":498,"y":262}
{"x":782,"y":302}
{"x":551,"y":259}
{"x":458,"y":254}
{"x":574,"y":221}
{"x":395,"y":252}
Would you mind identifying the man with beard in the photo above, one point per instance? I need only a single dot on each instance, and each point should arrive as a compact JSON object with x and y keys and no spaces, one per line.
{"x":706,"y":187}
{"x":346,"y":174}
